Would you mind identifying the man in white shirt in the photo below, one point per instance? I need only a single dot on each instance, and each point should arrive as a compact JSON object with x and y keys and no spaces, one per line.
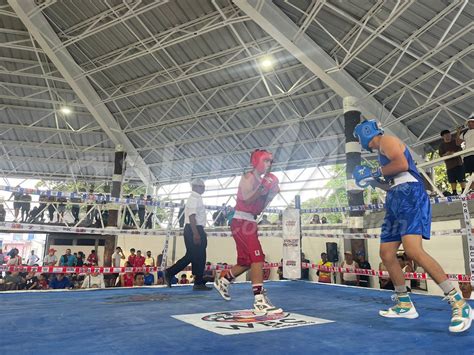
{"x":117,"y":257}
{"x":93,"y":280}
{"x":195,"y":238}
{"x":349,"y":279}
{"x":50,"y":259}
{"x":32,"y":259}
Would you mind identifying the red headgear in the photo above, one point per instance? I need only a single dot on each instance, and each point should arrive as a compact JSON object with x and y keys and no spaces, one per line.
{"x":257,"y":159}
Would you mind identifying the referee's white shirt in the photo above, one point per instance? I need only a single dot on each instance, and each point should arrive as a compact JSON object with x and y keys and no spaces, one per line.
{"x":195,"y":205}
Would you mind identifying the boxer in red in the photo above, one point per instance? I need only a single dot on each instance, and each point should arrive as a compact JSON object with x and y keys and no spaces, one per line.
{"x":256,"y":189}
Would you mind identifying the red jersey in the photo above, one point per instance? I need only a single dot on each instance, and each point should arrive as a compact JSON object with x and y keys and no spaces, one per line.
{"x":139,"y":261}
{"x":92,"y":259}
{"x":255,"y":207}
{"x":131,"y":260}
{"x":127,"y":280}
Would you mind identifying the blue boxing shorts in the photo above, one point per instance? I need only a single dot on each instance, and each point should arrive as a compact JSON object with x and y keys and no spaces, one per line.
{"x":408,"y":211}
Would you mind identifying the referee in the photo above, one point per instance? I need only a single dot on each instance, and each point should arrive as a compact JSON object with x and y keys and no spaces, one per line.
{"x":195,"y":239}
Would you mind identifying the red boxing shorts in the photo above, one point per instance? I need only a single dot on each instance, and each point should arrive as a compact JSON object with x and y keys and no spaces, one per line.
{"x":245,"y":235}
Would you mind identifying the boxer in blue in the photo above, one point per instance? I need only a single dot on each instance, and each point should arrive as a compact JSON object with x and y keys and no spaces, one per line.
{"x":407,"y":221}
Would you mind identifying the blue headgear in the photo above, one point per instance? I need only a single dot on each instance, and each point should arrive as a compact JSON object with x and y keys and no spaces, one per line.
{"x":365,"y":131}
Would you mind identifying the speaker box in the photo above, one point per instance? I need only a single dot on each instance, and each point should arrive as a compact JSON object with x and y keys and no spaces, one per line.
{"x":331,"y":250}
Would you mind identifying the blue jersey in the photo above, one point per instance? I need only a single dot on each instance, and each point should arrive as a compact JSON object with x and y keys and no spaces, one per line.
{"x":412,"y":169}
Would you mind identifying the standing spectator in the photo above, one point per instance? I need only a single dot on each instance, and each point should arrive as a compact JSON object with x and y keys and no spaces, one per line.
{"x":364,"y":280}
{"x":149,"y":260}
{"x":68,"y":259}
{"x":195,"y":238}
{"x":183,"y":280}
{"x":149,"y":212}
{"x":181,"y":214}
{"x":467,"y":136}
{"x":80,"y":258}
{"x":454,"y":166}
{"x":93,"y":280}
{"x":25,"y":207}
{"x":264,"y":221}
{"x":92,"y":259}
{"x":304,"y":271}
{"x":15,"y":258}
{"x":16,"y":203}
{"x":50,"y":259}
{"x":139,"y":259}
{"x":131,"y":257}
{"x":75,"y":208}
{"x":324,"y":277}
{"x":141,"y":210}
{"x":349,"y":279}
{"x":149,"y":279}
{"x":89,"y":206}
{"x":33,"y":217}
{"x":32,"y":259}
{"x":59,"y":281}
{"x":43,"y":200}
{"x":324,"y":220}
{"x":280,"y":270}
{"x":3,"y":213}
{"x":61,"y":208}
{"x":209,"y":275}
{"x":117,"y":257}
{"x":315,"y":219}
{"x":51,"y":208}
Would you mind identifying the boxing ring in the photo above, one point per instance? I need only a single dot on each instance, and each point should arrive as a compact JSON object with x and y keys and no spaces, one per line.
{"x":320,"y":318}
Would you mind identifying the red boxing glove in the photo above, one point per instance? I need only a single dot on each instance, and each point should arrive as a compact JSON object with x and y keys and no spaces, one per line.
{"x":270,"y":183}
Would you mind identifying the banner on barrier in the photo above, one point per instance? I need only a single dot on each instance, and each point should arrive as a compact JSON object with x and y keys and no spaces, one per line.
{"x":291,"y":244}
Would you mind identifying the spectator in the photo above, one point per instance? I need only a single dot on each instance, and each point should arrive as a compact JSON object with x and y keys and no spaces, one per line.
{"x":31,"y":281}
{"x":324,"y":220}
{"x":42,"y":282}
{"x":32,"y":259}
{"x":68,"y":259}
{"x":33,"y":217}
{"x":280,"y":270}
{"x":183,"y":280}
{"x":93,"y":280}
{"x":50,"y":259}
{"x":133,"y":209}
{"x":25,"y":207}
{"x":92,"y":259}
{"x":364,"y":280}
{"x":139,"y":279}
{"x":16,"y":203}
{"x":61,"y":208}
{"x":75,"y":208}
{"x":141,"y":210}
{"x":467,"y":136}
{"x":89,"y":206}
{"x":266,"y":272}
{"x":59,"y":281}
{"x":230,"y":214}
{"x":181,"y":214}
{"x":304,"y":271}
{"x":264,"y":221}
{"x":349,"y":279}
{"x":13,"y":281}
{"x":315,"y":219}
{"x":454,"y":166}
{"x":131,"y":257}
{"x":117,"y":257}
{"x":385,"y":281}
{"x":51,"y":208}
{"x":149,"y":278}
{"x":466,"y":289}
{"x":80,"y":258}
{"x":3,"y":213}
{"x":149,"y":210}
{"x":43,"y":200}
{"x":104,"y":215}
{"x":2,"y":257}
{"x":139,"y":259}
{"x":15,"y":259}
{"x":209,"y":275}
{"x":323,"y":276}
{"x":160,"y":280}
{"x":127,"y":278}
{"x":149,"y":260}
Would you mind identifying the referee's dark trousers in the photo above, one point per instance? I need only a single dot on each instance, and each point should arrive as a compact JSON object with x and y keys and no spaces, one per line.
{"x":195,"y":254}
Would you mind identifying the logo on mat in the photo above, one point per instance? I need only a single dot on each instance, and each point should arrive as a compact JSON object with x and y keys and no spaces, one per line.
{"x":246,"y":321}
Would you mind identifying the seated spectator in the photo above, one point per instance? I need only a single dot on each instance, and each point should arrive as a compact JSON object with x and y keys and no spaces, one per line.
{"x":364,"y":280}
{"x":209,"y":275}
{"x":50,"y":259}
{"x":59,"y":281}
{"x":93,"y":280}
{"x":324,"y":220}
{"x":160,"y":280}
{"x":349,"y":279}
{"x":139,"y":279}
{"x":324,"y":277}
{"x":149,"y":279}
{"x":315,"y":219}
{"x":13,"y":281}
{"x":264,"y":221}
{"x":127,"y":278}
{"x":92,"y":259}
{"x":454,"y":166}
{"x":183,"y":280}
{"x":31,"y":281}
{"x":466,"y":289}
{"x":42,"y":282}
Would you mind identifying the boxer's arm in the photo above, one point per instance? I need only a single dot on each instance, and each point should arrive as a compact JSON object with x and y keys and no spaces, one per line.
{"x":394,"y":150}
{"x":249,"y":193}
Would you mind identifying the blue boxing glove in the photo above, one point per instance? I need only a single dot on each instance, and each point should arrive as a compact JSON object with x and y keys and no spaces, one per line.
{"x":365,"y":176}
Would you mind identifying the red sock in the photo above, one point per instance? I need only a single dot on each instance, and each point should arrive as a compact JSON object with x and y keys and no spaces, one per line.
{"x":257,"y":289}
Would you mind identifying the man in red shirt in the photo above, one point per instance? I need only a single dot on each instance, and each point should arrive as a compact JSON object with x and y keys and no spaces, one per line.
{"x":131,"y":257}
{"x":139,"y":260}
{"x":92,"y":258}
{"x":256,"y":189}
